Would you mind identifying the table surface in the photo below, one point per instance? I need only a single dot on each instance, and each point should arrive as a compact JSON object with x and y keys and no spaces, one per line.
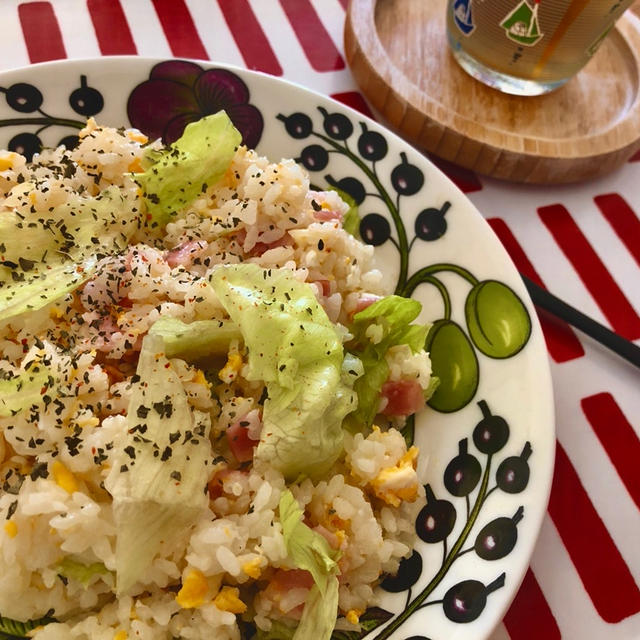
{"x":582,"y":241}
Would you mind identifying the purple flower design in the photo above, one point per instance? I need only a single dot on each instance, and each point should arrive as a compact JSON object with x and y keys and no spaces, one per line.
{"x":179,"y":92}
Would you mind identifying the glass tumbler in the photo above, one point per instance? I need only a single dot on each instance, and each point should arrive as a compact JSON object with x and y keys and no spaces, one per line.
{"x":528,"y":47}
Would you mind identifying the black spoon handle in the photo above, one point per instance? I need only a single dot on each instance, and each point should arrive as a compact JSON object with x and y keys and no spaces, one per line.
{"x":547,"y":301}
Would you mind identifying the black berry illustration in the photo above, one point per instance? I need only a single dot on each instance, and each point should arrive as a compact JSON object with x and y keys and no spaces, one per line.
{"x":375,"y":229}
{"x":431,"y":224}
{"x":337,"y":125}
{"x":406,"y":178}
{"x":23,"y":97}
{"x":26,"y":144}
{"x":436,"y":519}
{"x":298,"y":125}
{"x":512,"y":475}
{"x":314,"y":157}
{"x":70,"y":142}
{"x":492,"y":432}
{"x":418,"y":638}
{"x":86,"y":100}
{"x":463,"y":472}
{"x":465,"y":601}
{"x":497,"y":538}
{"x":408,"y":573}
{"x":352,"y":186}
{"x":371,"y":144}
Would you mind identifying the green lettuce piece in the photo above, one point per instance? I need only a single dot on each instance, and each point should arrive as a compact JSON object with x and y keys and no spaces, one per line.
{"x":318,"y":618}
{"x":24,"y":390}
{"x":160,"y":467}
{"x":47,"y":255}
{"x":394,"y":315}
{"x":351,"y":219}
{"x":199,"y":339}
{"x":295,"y":349}
{"x":79,"y":571}
{"x":305,"y":547}
{"x":199,"y":158}
{"x":310,"y":551}
{"x":319,"y":614}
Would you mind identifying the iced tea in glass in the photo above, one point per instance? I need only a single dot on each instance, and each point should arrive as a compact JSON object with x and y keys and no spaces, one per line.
{"x":528,"y":47}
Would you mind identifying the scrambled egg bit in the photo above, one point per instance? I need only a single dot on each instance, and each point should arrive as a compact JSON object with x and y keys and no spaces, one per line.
{"x":194,"y":590}
{"x":400,"y":482}
{"x":63,"y":477}
{"x":228,"y":600}
{"x":387,"y":469}
{"x":230,"y":370}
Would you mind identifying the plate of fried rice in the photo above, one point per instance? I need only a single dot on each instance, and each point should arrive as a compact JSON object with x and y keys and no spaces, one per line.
{"x":265,"y":372}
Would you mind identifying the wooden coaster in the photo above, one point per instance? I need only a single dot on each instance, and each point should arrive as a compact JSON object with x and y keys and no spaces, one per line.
{"x":398,"y":54}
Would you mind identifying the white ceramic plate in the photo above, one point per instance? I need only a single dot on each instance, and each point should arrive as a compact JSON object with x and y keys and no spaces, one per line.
{"x":488,"y":438}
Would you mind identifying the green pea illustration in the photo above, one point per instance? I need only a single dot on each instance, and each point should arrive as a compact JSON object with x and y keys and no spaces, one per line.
{"x":455,"y":363}
{"x":498,"y":322}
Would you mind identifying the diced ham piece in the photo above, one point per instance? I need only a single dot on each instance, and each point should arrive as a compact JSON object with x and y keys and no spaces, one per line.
{"x":292,"y":579}
{"x":184,"y":254}
{"x":325,"y":285}
{"x":327,"y":215}
{"x":404,"y":397}
{"x":366,"y":300}
{"x":261,"y":247}
{"x":329,"y":536}
{"x":282,"y":583}
{"x":240,"y":443}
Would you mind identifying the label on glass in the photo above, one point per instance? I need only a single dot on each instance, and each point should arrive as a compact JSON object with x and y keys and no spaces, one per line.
{"x":543,"y":40}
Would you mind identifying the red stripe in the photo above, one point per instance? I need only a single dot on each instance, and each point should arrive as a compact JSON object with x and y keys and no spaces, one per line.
{"x":623,"y":220}
{"x":344,"y":3}
{"x":41,"y":32}
{"x":603,"y":572}
{"x":613,"y":303}
{"x":180,"y":29}
{"x":562,"y":343}
{"x":635,"y":157}
{"x":316,"y":42}
{"x":466,"y":180}
{"x":249,"y":36}
{"x":111,"y":27}
{"x":529,"y":617}
{"x":618,"y":438}
{"x":354,"y":100}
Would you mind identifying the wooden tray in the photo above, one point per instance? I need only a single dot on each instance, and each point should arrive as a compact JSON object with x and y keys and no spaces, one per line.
{"x":398,"y":53}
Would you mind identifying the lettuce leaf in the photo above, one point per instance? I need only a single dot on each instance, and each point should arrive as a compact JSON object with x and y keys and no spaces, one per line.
{"x":160,"y":467}
{"x":196,"y":340}
{"x":351,"y":219}
{"x":46,"y":256}
{"x":24,"y":390}
{"x":319,"y":614}
{"x":393,"y":316}
{"x":309,"y":550}
{"x":295,"y":349}
{"x":199,"y":158}
{"x":82,"y":573}
{"x":305,"y":547}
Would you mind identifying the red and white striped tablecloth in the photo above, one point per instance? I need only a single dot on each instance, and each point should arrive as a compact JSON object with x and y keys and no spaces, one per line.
{"x":581,"y":241}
